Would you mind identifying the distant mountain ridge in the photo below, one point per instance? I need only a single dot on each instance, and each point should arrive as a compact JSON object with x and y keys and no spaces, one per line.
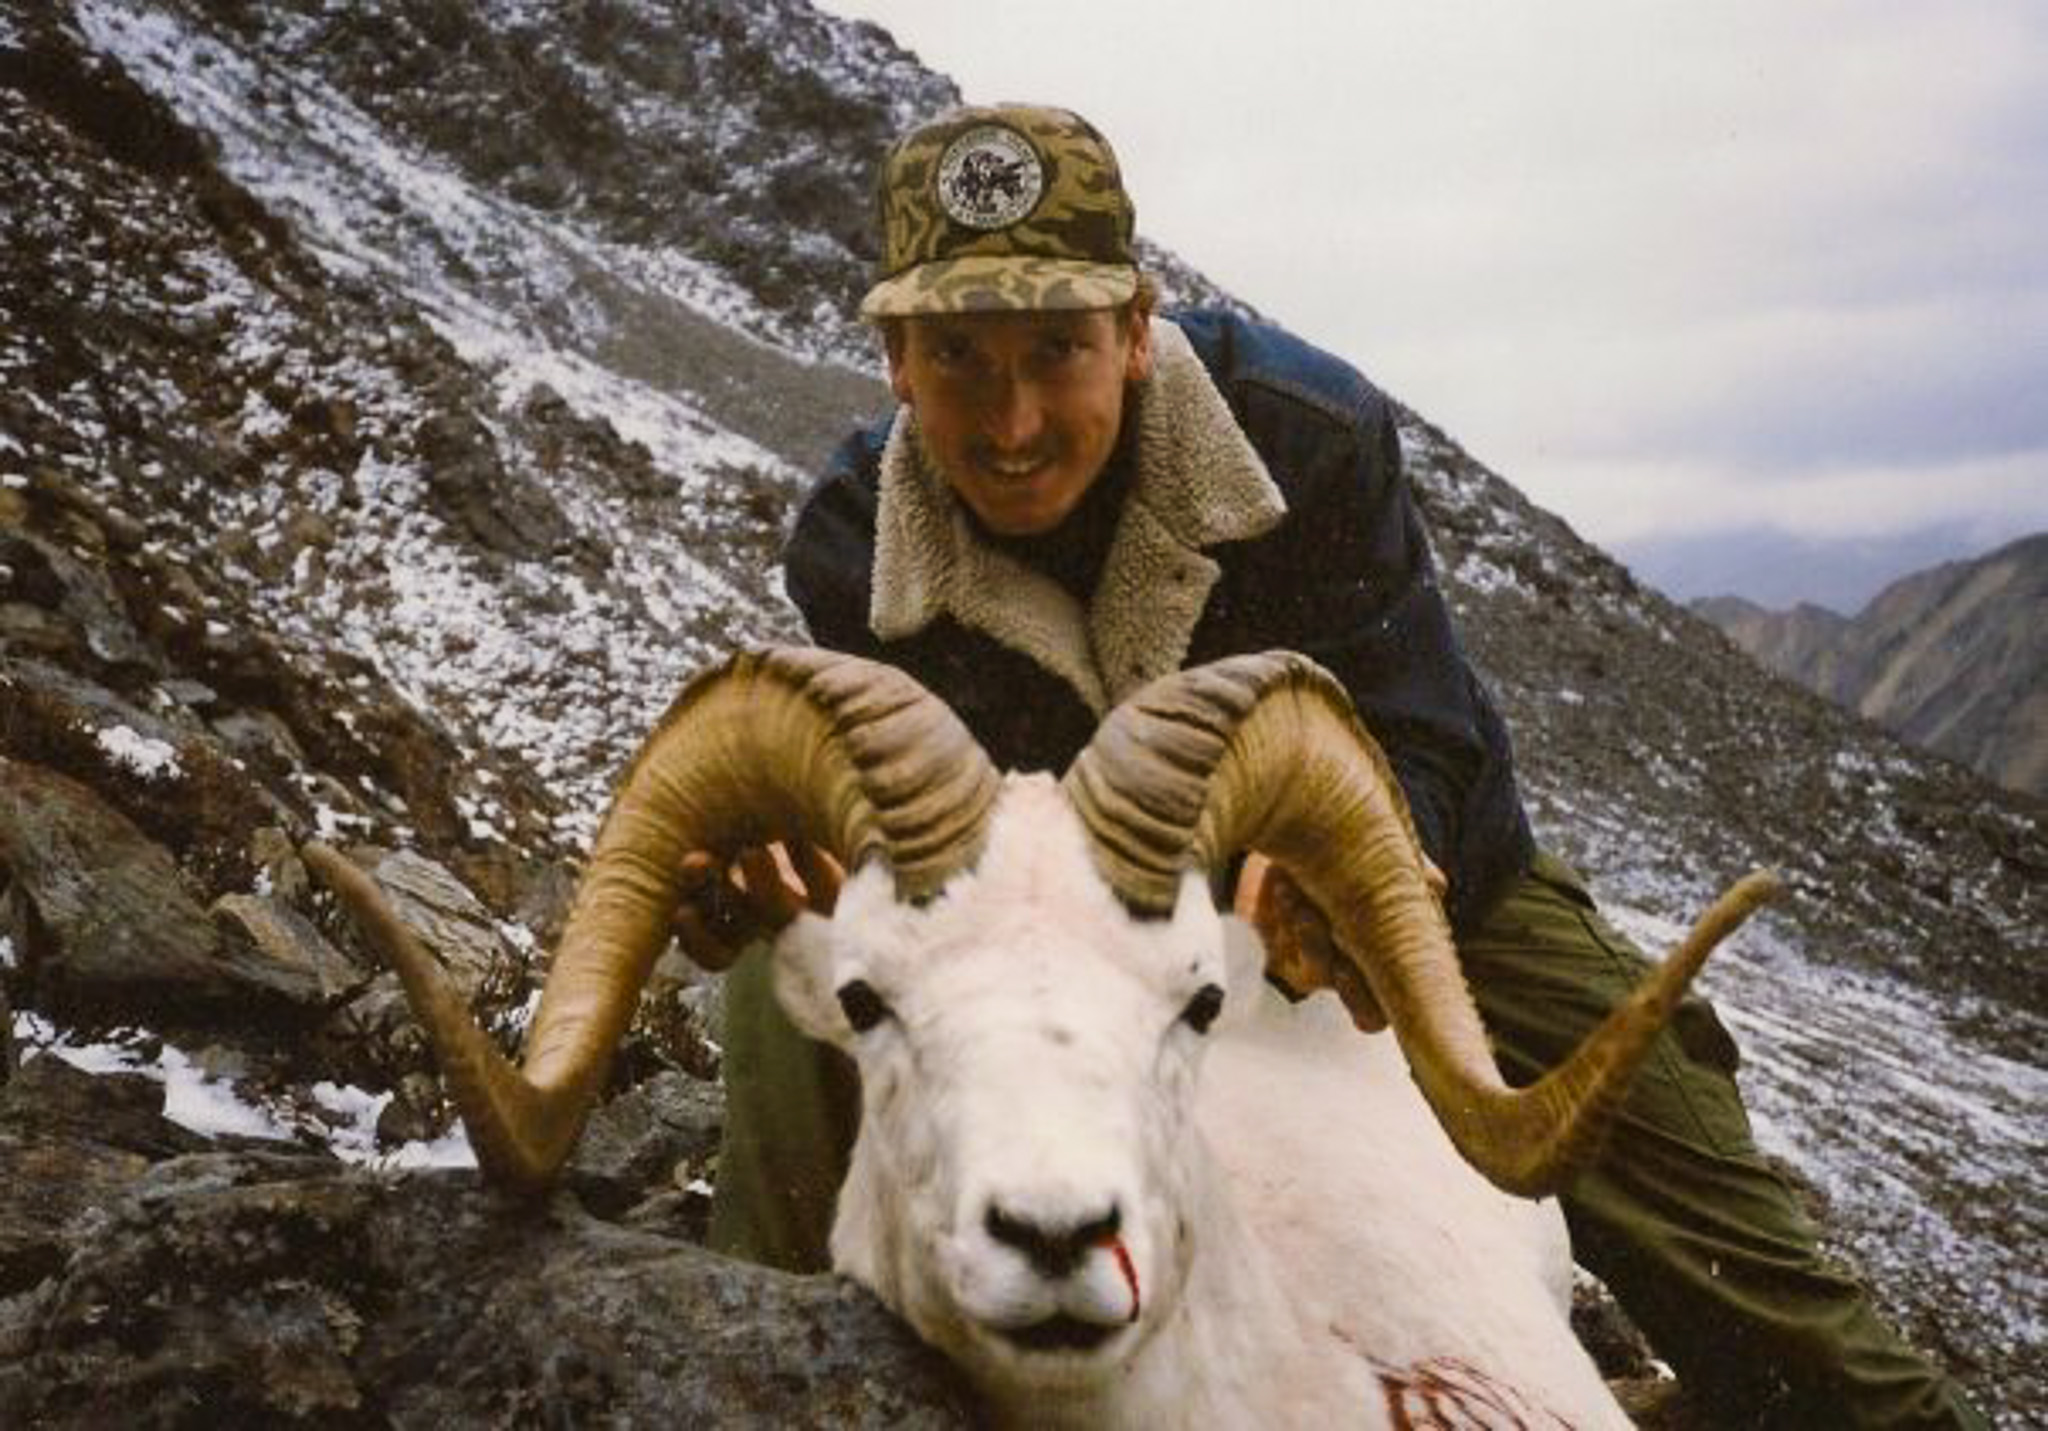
{"x":1778,"y":569}
{"x":1954,"y":658}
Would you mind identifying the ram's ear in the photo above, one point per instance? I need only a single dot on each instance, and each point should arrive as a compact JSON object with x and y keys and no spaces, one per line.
{"x":804,"y":980}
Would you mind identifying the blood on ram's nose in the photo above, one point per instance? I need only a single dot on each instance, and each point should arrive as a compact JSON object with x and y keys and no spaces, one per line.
{"x":1116,"y":1247}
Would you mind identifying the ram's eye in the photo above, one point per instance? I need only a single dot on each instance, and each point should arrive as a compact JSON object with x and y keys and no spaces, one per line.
{"x":1203,"y":1008}
{"x":864,"y":1007}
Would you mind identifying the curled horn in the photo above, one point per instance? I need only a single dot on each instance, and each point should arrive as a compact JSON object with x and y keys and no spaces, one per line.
{"x":784,"y":744}
{"x":1264,"y":752}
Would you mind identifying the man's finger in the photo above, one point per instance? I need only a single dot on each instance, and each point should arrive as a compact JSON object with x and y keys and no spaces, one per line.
{"x":1439,"y":884}
{"x":1251,"y":886}
{"x":1294,"y":955}
{"x":697,"y":869}
{"x":773,"y":897}
{"x":821,"y":876}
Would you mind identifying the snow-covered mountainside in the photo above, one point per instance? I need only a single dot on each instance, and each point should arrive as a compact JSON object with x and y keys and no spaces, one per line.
{"x":397,"y":403}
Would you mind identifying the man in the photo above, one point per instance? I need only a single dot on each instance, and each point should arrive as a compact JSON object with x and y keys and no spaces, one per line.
{"x":1074,"y":498}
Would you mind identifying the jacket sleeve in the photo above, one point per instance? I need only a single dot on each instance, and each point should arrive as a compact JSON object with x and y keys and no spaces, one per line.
{"x":828,"y":561}
{"x":1361,"y":592}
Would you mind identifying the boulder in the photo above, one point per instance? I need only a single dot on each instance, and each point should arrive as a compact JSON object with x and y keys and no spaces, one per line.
{"x":49,"y":1095}
{"x":120,"y":930}
{"x":281,"y":949}
{"x":267,"y":1288}
{"x":151,"y":759}
{"x":71,"y":1142}
{"x":633,"y":1146}
{"x":448,"y":919}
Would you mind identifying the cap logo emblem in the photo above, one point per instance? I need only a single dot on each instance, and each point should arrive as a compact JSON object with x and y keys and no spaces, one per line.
{"x":989,"y":178}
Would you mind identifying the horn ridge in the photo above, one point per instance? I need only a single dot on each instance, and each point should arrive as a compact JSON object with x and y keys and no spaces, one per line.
{"x":1143,"y":782}
{"x":1264,"y":751}
{"x":786,"y":743}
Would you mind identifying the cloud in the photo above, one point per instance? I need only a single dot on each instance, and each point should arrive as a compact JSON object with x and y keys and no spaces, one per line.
{"x":1767,"y":389}
{"x":1631,"y":499}
{"x":1783,"y":256}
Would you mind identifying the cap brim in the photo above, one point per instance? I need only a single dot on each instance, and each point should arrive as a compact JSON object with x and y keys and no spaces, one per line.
{"x":1007,"y":283}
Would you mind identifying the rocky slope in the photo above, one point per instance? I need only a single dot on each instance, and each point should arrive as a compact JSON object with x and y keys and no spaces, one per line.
{"x":1954,"y":658}
{"x":394,"y":409}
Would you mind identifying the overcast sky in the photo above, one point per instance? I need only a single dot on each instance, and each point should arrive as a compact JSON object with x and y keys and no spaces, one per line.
{"x":1674,"y":269}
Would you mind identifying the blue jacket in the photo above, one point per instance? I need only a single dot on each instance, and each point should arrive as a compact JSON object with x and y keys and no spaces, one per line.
{"x":1267,"y":509}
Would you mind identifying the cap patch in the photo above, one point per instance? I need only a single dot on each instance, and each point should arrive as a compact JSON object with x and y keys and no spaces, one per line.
{"x":989,"y":178}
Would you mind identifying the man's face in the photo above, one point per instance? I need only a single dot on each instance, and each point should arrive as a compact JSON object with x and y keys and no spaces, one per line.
{"x":1020,"y":411}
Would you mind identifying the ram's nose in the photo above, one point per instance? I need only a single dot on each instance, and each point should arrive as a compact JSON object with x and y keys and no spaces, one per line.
{"x":1053,"y":1247}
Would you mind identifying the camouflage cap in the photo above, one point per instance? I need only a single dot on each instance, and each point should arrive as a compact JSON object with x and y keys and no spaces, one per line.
{"x":1001,"y":208}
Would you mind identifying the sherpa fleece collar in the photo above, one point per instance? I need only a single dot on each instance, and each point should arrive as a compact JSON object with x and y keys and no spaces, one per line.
{"x":1197,"y":483}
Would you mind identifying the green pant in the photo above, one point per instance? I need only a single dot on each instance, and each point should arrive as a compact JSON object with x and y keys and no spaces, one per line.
{"x":1682,"y":1218}
{"x":792,"y":1107}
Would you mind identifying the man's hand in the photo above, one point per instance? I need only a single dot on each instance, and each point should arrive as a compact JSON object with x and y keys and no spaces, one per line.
{"x":728,"y":905}
{"x":1300,"y":950}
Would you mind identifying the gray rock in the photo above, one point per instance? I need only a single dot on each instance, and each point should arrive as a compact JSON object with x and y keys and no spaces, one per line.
{"x":114,"y":1110}
{"x":52,"y":1180}
{"x":266,"y":1289}
{"x":193,"y":695}
{"x":633,"y":1145}
{"x":161,"y":767}
{"x":121,"y":929}
{"x":449,"y":919}
{"x":283,"y":951}
{"x":260,"y":736}
{"x":380,"y":1014}
{"x":505,"y":511}
{"x":121,"y":934}
{"x":84,"y":613}
{"x":71,"y":1142}
{"x":90,"y":708}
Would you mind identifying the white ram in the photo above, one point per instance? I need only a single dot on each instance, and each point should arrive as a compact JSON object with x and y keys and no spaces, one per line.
{"x":1049,"y":1184}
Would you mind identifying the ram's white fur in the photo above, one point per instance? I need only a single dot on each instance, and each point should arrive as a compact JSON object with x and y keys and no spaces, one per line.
{"x":1302,"y":1241}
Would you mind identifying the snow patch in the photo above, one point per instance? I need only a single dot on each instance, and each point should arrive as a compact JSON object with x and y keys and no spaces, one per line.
{"x":1488,"y":577}
{"x":353,"y":1139}
{"x":336,"y":824}
{"x":1926,"y":1109}
{"x":151,"y":759}
{"x":209,"y":1104}
{"x":193,"y":1098}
